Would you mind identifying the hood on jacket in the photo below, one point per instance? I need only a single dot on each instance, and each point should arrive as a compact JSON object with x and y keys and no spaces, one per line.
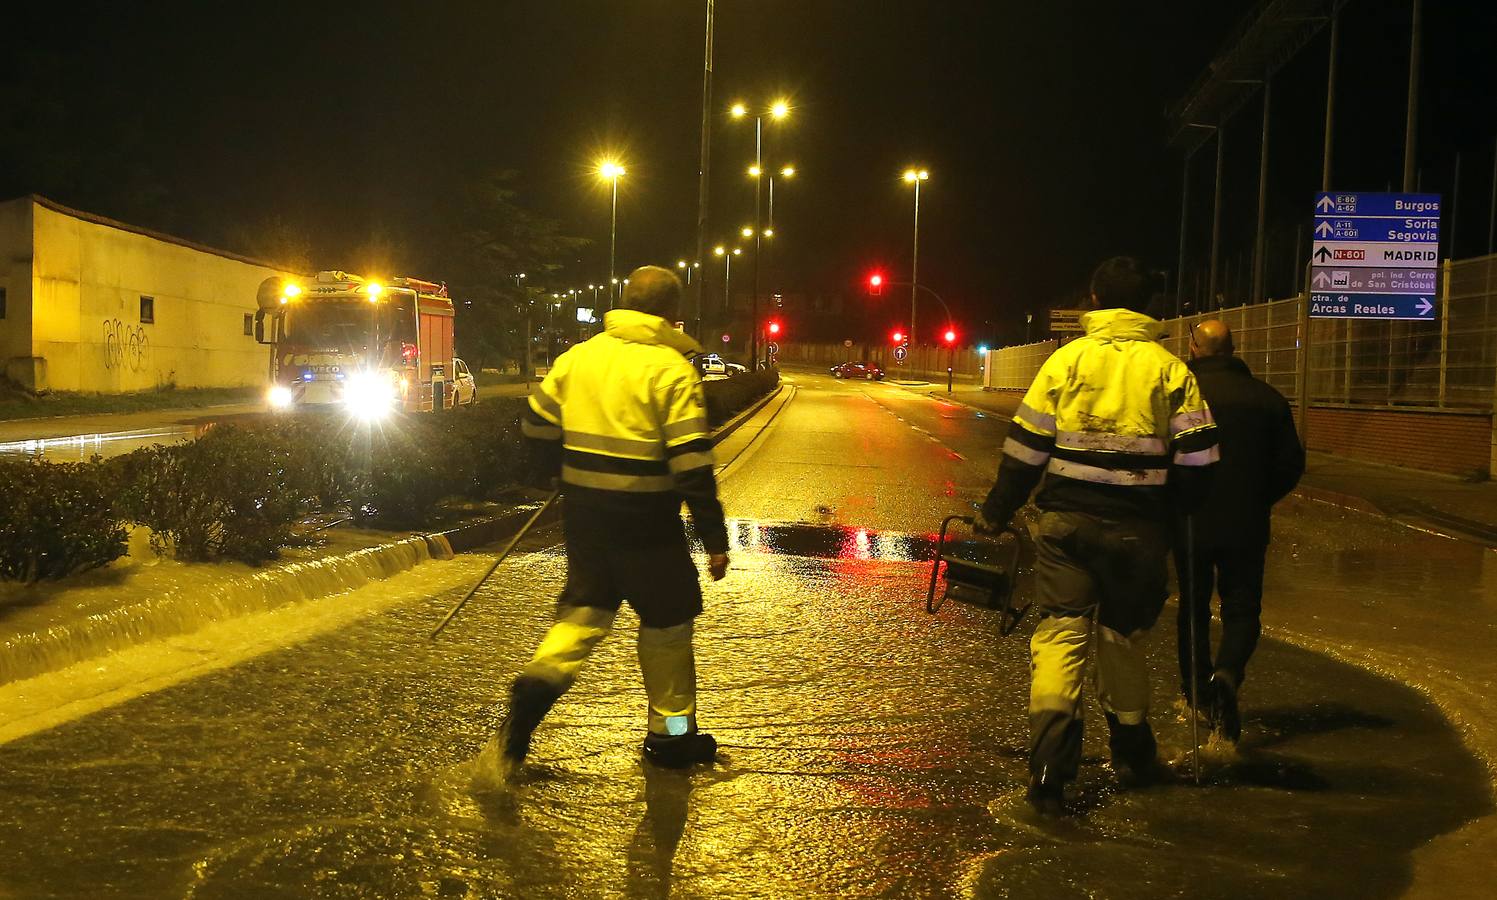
{"x":1107,"y":325}
{"x":643,"y":328}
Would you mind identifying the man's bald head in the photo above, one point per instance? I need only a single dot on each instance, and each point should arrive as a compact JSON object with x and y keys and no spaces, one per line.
{"x":653,"y":290}
{"x":1211,"y":338}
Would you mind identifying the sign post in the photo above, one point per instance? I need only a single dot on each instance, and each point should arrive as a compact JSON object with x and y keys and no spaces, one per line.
{"x":1375,"y":257}
{"x":1066,"y":321}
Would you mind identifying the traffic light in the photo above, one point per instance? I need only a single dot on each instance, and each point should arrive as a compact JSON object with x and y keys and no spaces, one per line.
{"x":950,"y":336}
{"x":774,"y":329}
{"x":898,"y":337}
{"x":876,"y":284}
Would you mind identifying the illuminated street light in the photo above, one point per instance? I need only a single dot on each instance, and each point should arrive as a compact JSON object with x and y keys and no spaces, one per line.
{"x":787,"y":172}
{"x":719,"y":250}
{"x":769,"y":232}
{"x":747,"y":232}
{"x":612,"y":171}
{"x":778,"y":110}
{"x":915,"y":176}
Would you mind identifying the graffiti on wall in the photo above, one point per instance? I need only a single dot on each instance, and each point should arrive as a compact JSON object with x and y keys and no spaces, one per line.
{"x":125,"y":346}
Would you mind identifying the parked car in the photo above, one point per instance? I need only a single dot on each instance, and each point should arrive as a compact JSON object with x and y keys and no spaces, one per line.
{"x":464,"y":385}
{"x":865,"y":370}
{"x":735,"y":369}
{"x":712,"y":364}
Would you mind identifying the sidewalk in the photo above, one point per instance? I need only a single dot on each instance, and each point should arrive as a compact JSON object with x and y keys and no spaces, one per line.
{"x":1427,"y":500}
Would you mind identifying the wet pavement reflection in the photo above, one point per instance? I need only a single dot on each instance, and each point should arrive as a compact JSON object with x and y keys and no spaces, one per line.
{"x":869,"y":749}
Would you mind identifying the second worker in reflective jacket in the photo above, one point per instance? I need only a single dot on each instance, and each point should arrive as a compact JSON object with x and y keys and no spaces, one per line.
{"x":1114,"y":432}
{"x":622,"y":420}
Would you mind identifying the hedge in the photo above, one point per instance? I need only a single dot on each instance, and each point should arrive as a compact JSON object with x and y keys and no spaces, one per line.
{"x":729,"y":396}
{"x":240,"y":491}
{"x":57,"y":520}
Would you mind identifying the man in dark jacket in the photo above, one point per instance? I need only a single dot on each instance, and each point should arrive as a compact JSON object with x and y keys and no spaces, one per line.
{"x":1261,"y":462}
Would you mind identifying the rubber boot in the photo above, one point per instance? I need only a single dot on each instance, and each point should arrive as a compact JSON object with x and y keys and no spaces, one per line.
{"x":530,"y":698}
{"x":1226,"y":720}
{"x":681,"y":750}
{"x":1135,"y":755}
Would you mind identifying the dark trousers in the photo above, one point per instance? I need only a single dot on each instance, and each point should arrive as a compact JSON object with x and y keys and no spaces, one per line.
{"x":1236,"y":573}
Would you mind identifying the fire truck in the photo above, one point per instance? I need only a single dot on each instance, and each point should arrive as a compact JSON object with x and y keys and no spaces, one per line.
{"x":372,"y":347}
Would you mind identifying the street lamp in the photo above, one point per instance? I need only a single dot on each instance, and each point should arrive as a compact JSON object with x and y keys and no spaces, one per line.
{"x":726,"y":256}
{"x":777,"y":111}
{"x":915,"y":176}
{"x":611,"y":172}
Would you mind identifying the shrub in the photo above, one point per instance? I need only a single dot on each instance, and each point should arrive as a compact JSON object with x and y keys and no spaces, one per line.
{"x":57,"y":520}
{"x":406,"y":469}
{"x":727,"y":397}
{"x":234,"y":493}
{"x":490,"y":435}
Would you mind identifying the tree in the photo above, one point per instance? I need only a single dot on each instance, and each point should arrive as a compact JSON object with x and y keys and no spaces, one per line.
{"x":489,"y":240}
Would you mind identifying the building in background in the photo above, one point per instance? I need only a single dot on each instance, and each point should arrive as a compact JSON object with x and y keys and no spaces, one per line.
{"x":90,"y":304}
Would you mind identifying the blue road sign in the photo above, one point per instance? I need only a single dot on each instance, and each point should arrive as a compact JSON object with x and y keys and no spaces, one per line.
{"x":1357,"y":204}
{"x":1375,"y":256}
{"x":900,"y":353}
{"x":1394,"y":229}
{"x":1412,"y":307}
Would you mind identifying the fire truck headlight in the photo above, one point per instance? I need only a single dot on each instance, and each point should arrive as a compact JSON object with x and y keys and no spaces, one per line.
{"x":280,"y":397}
{"x":368,"y":396}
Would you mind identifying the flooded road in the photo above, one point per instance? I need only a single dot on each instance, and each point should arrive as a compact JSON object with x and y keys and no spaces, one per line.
{"x":869,"y":749}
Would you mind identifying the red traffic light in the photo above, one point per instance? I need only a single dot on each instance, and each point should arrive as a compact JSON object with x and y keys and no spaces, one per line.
{"x":774,"y":329}
{"x":875,"y":283}
{"x":950,"y":336}
{"x":898,"y":337}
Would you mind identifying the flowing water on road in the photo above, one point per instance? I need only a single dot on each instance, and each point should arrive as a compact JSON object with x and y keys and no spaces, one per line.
{"x":869,"y":749}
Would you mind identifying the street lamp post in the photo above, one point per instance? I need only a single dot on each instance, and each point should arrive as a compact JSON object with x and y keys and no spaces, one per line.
{"x":915,"y":176}
{"x":611,"y":171}
{"x":727,"y":257}
{"x":779,"y":110}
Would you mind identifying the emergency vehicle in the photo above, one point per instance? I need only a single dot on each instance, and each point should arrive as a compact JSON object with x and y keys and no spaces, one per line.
{"x":372,"y":347}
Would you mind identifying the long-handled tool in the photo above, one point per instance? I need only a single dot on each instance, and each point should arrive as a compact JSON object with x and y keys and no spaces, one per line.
{"x":1187,"y":597}
{"x":508,"y":547}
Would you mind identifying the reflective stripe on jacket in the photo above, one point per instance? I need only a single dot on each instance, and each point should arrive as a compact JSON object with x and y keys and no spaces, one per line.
{"x":1107,"y":420}
{"x":628,"y":411}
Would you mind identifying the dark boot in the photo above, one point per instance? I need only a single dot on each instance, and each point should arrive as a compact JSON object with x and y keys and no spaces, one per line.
{"x":680,"y":751}
{"x":529,"y":700}
{"x":1226,"y":720}
{"x":1135,"y":755}
{"x":1047,"y":798}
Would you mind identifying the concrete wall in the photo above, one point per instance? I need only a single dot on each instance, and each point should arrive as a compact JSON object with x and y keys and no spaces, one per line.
{"x":89,"y":275}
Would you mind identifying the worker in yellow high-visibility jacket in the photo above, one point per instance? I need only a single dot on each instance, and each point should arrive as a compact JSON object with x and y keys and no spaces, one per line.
{"x":622,"y":420}
{"x":1116,"y":426}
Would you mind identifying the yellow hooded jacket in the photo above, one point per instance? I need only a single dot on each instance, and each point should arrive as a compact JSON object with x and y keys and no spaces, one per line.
{"x":626,"y":410}
{"x":1110,"y":420}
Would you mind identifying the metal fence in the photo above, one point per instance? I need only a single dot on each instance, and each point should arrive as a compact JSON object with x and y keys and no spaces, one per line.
{"x":1013,"y":368}
{"x":1450,"y":363}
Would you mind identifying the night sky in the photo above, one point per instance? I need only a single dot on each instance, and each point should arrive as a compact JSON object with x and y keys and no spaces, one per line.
{"x":1043,"y":125}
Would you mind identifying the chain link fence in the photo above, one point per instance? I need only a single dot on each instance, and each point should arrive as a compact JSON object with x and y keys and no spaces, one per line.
{"x":1449,"y":363}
